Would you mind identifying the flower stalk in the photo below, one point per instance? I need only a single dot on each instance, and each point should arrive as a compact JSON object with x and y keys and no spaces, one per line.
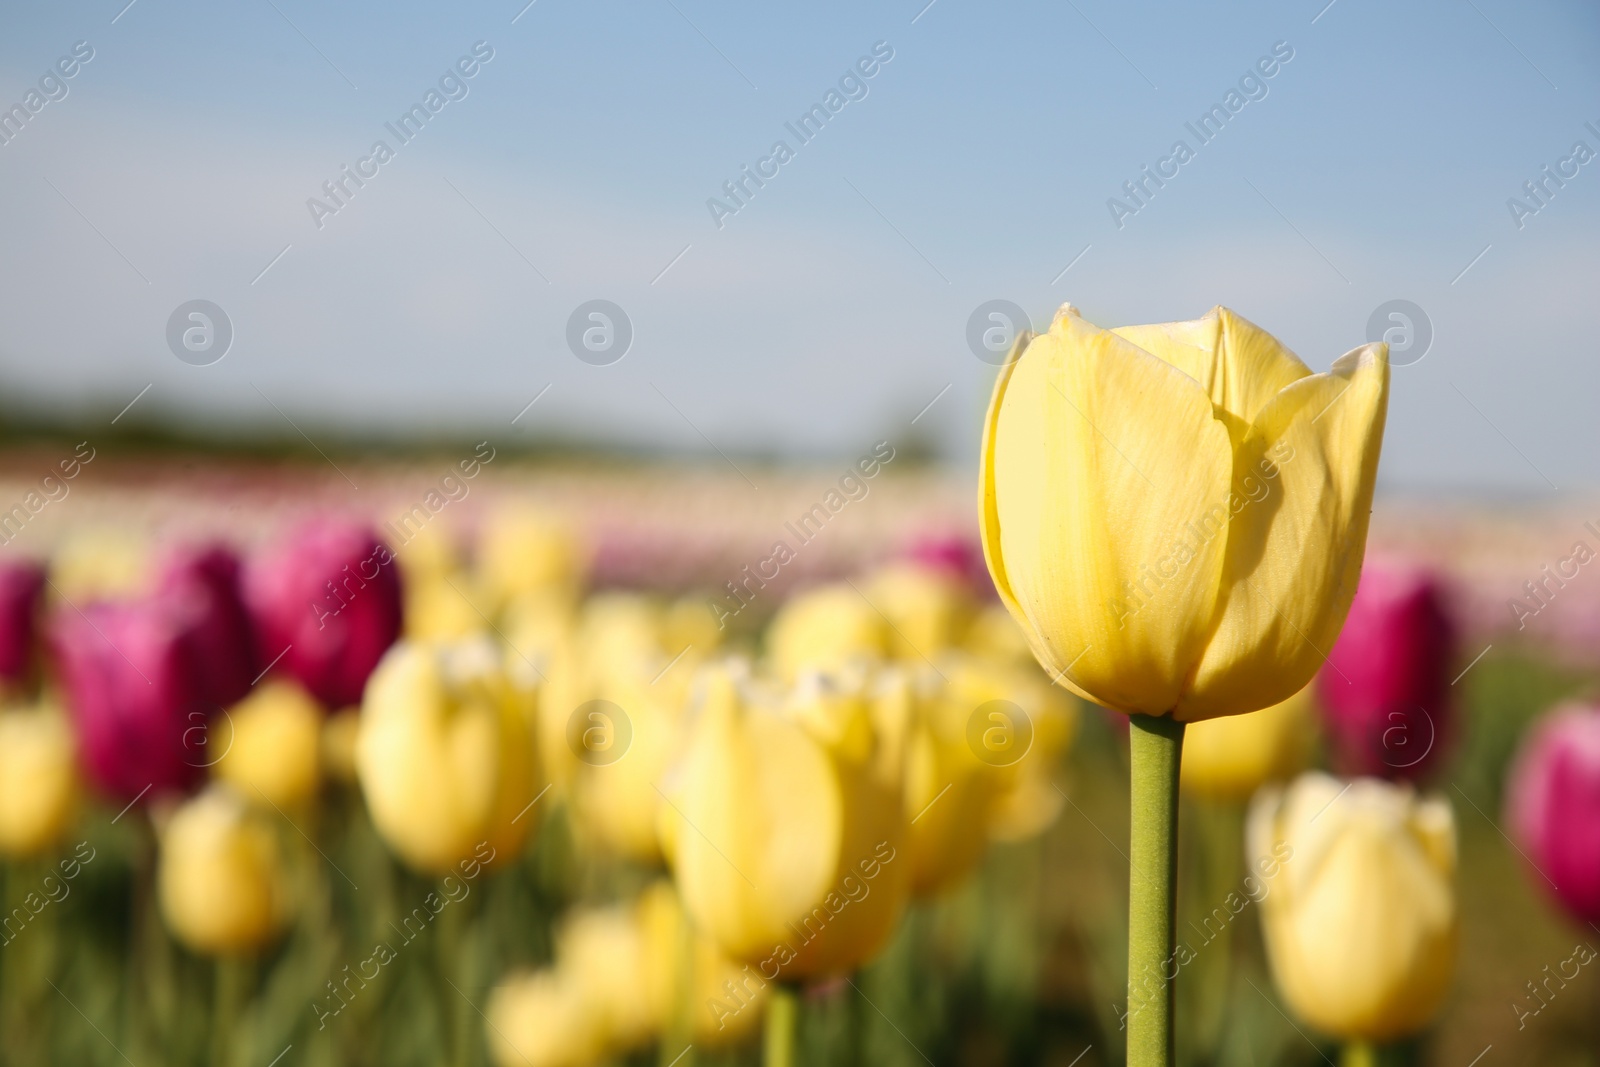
{"x":1156,"y":744}
{"x":783,"y":1012}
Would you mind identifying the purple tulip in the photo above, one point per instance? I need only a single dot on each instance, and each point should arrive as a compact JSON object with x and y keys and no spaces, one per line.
{"x":1385,"y":690}
{"x":20,"y":584}
{"x":1553,"y":805}
{"x":327,"y":601}
{"x":201,"y":585}
{"x":135,"y":698}
{"x":959,"y":556}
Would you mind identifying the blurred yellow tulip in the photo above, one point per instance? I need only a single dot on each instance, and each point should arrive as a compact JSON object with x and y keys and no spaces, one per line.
{"x":790,"y":852}
{"x":947,"y":792}
{"x":542,"y":1020}
{"x":1021,"y":726}
{"x":524,"y":552}
{"x":340,"y":731}
{"x":1227,"y":759}
{"x":927,"y":609}
{"x":994,"y":635}
{"x":221,"y":881}
{"x":445,"y":754}
{"x":274,"y":751}
{"x":38,"y":779}
{"x":638,"y":717}
{"x":1176,"y":514}
{"x":445,"y":606}
{"x":1360,"y":913}
{"x":100,"y":564}
{"x":824,"y":628}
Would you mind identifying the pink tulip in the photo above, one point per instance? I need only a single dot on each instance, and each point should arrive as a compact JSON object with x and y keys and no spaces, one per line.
{"x":1385,"y":690}
{"x":959,"y":556}
{"x":20,"y":584}
{"x":202,"y":585}
{"x":136,"y":701}
{"x":1553,"y":806}
{"x":326,"y":604}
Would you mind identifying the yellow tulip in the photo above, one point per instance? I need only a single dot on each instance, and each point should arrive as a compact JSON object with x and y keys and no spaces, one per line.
{"x":947,"y":792}
{"x":995,"y":635}
{"x":445,"y":606}
{"x":100,"y":564}
{"x":615,"y":791}
{"x":542,"y":1020}
{"x":445,"y":753}
{"x":525,"y":552}
{"x":824,"y":629}
{"x":274,"y":750}
{"x":220,"y":881}
{"x":790,"y":852}
{"x":1360,"y":911}
{"x":38,"y":779}
{"x":691,"y":979}
{"x":926,"y":609}
{"x":1229,"y":758}
{"x":1176,"y":514}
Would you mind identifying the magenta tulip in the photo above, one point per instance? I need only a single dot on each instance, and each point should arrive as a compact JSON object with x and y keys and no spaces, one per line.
{"x":326,"y":604}
{"x":1385,"y":690}
{"x":201,"y":584}
{"x":20,"y":584}
{"x":137,"y":703}
{"x":1553,"y":806}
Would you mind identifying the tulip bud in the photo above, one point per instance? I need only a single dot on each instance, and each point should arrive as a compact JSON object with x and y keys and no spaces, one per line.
{"x":1385,"y":691}
{"x":220,"y":882}
{"x":1357,"y":901}
{"x":137,"y":703}
{"x":1554,"y":806}
{"x":273,"y":738}
{"x":790,"y":852}
{"x":928,"y":609}
{"x":525,"y":553}
{"x":20,"y":584}
{"x":1176,"y":514}
{"x":542,"y":1020}
{"x":445,"y":754}
{"x":1227,"y":759}
{"x":824,"y":629}
{"x":38,"y":780}
{"x":100,"y":564}
{"x":201,"y":585}
{"x":327,"y":600}
{"x":947,"y":793}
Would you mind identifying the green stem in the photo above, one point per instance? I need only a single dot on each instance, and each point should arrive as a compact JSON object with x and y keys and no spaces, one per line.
{"x":783,"y":1011}
{"x":1156,"y":746}
{"x":229,"y":978}
{"x":1358,"y":1054}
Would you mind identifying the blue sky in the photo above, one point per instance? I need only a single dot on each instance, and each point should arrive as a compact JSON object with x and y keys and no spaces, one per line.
{"x":833,"y":305}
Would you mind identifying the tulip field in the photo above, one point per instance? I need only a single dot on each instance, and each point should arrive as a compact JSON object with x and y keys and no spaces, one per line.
{"x":539,"y":768}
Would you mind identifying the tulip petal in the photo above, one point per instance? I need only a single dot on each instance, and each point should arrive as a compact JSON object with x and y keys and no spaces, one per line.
{"x":1302,"y":499}
{"x":1239,"y":365}
{"x":1101,"y":466}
